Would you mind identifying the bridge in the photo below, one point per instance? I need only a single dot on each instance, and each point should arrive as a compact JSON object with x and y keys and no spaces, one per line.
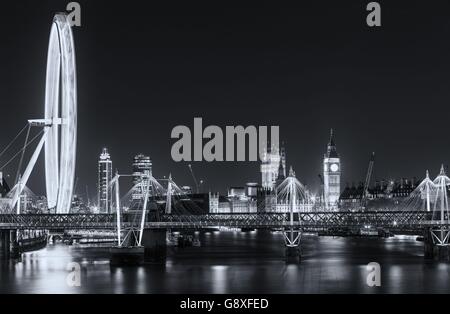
{"x":397,"y":221}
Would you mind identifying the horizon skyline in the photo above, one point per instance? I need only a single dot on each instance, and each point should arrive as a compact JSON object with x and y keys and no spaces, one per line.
{"x":187,"y":178}
{"x":355,"y":183}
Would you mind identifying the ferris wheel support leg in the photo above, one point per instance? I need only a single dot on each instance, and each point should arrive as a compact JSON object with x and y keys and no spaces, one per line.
{"x":26,"y":175}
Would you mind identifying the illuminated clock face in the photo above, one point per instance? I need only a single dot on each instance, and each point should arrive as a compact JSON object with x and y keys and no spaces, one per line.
{"x":334,"y":167}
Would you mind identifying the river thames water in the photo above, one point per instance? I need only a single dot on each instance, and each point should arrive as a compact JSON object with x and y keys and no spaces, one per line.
{"x":236,"y":262}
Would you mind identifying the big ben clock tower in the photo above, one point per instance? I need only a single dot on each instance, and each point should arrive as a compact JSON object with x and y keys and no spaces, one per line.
{"x":331,"y":175}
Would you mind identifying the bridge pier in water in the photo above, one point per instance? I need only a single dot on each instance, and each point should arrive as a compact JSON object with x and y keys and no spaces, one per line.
{"x":428,"y":245}
{"x":433,"y":250}
{"x":152,"y":250}
{"x":9,"y":246}
{"x":155,"y":246}
{"x":293,"y":249}
{"x":14,"y":245}
{"x":292,"y":254}
{"x":4,"y":243}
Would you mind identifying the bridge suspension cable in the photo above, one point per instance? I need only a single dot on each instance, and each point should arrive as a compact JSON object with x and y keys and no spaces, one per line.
{"x":22,"y":155}
{"x":21,"y":150}
{"x":291,"y":192}
{"x":13,"y":140}
{"x":441,"y":234}
{"x":421,"y":198}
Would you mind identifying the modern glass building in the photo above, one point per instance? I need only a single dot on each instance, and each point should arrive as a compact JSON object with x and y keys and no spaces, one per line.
{"x":142,"y":171}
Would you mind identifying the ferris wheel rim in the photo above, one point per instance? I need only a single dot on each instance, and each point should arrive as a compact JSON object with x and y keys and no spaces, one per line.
{"x":60,"y":146}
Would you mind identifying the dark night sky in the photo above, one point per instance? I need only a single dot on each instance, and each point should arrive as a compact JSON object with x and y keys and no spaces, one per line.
{"x":308,"y":67}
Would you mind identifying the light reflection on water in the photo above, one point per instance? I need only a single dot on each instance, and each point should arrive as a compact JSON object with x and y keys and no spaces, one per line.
{"x":236,"y":262}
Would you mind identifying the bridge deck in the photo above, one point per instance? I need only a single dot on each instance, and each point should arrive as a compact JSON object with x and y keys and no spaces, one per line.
{"x":392,"y":220}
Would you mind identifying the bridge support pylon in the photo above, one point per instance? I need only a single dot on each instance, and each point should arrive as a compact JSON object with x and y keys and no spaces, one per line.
{"x":155,"y":246}
{"x":428,"y":245}
{"x":9,"y":245}
{"x":14,"y":248}
{"x":436,"y":244}
{"x":293,"y":249}
{"x":4,"y":243}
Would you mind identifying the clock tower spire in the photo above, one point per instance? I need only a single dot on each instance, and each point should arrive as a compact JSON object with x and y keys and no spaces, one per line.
{"x":331,"y":175}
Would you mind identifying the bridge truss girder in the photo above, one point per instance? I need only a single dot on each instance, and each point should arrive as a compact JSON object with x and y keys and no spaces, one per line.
{"x":412,"y":221}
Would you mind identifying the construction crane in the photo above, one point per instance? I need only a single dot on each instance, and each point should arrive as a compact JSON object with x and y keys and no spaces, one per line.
{"x":367,"y":182}
{"x":197,"y":187}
